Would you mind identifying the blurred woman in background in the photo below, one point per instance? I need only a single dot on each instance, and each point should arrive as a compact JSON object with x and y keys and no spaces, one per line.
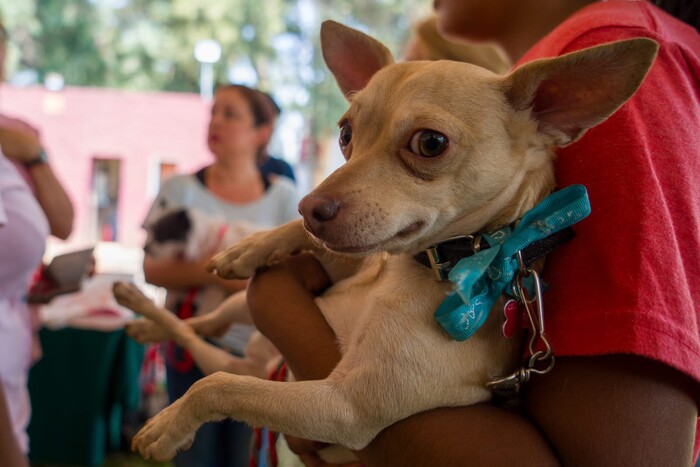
{"x":232,"y":188}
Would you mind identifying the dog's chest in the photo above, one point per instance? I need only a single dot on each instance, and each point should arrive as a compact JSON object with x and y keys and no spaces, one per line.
{"x":394,"y":288}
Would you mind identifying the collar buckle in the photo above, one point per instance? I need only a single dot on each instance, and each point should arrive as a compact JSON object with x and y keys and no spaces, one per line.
{"x":442,"y":268}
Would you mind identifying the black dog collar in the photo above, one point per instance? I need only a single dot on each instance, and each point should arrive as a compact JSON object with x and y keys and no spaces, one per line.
{"x":442,"y":257}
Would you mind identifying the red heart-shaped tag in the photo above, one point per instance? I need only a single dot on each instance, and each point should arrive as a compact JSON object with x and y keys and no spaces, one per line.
{"x":513,"y":318}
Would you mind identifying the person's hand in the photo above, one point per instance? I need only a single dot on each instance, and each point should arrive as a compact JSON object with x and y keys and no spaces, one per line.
{"x":145,"y":331}
{"x":308,"y":452}
{"x":19,"y":140}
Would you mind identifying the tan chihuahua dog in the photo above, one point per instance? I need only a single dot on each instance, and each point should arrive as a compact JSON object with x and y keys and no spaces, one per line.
{"x":433,"y":150}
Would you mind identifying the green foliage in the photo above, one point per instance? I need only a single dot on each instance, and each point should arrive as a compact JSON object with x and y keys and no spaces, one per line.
{"x":73,"y":26}
{"x":153,"y":40}
{"x":148,"y":44}
{"x":387,"y":20}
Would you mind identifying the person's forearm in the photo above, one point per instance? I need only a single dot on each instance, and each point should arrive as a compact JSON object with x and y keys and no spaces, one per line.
{"x":233,"y":310}
{"x":53,"y":200}
{"x":210,"y":324}
{"x":283,"y":290}
{"x":231,"y":286}
{"x":206,"y":325}
{"x":207,"y":357}
{"x":457,"y":436}
{"x":178,"y":274}
{"x":210,"y":358}
{"x":172,"y":273}
{"x":589,"y":409}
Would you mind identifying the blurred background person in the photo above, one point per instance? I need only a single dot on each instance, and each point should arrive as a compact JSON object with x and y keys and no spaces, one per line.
{"x":233,"y":188}
{"x":10,"y":453}
{"x":23,"y":233}
{"x":33,"y":204}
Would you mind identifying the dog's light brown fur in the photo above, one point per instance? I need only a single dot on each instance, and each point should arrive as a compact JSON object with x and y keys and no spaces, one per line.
{"x":389,"y":202}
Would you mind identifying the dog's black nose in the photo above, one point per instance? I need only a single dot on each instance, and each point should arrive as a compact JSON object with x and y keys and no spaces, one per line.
{"x":325,"y":212}
{"x":317,"y":210}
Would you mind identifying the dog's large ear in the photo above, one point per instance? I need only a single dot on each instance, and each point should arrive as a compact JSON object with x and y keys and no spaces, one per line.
{"x":352,"y":56}
{"x":574,"y":92}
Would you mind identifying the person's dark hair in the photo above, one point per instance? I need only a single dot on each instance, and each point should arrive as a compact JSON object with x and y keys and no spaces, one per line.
{"x":687,"y":11}
{"x":273,"y":111}
{"x":272,"y":106}
{"x":257,"y":101}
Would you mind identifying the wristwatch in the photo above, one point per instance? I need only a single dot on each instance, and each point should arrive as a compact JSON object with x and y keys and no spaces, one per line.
{"x":42,"y":158}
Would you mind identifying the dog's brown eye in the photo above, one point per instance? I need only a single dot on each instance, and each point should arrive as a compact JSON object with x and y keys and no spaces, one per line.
{"x":345,"y":135}
{"x":428,"y":143}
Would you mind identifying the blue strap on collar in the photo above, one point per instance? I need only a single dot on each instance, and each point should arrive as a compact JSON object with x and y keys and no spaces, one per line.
{"x":481,"y":279}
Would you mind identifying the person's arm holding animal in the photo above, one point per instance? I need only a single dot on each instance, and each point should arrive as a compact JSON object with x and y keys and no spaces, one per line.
{"x":297,"y":280}
{"x":486,"y":434}
{"x":464,"y":430}
{"x":21,"y":143}
{"x":233,"y":310}
{"x":208,"y":357}
{"x":180,"y":274}
{"x":176,"y":273}
{"x":212,"y":324}
{"x":231,"y":187}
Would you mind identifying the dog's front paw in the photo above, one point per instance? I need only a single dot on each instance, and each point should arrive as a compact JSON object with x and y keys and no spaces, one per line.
{"x":164,"y":435}
{"x":241,"y":260}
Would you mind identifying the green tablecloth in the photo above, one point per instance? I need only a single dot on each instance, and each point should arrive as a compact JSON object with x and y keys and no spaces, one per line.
{"x":79,"y":390}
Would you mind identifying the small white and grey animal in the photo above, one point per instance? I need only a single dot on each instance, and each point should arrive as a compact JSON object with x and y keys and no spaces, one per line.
{"x":192,"y":235}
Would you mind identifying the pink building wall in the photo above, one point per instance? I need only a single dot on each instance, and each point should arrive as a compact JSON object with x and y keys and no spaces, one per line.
{"x":141,"y":129}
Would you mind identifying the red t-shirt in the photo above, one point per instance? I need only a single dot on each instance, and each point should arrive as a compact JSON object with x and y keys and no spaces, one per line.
{"x":630,"y":280}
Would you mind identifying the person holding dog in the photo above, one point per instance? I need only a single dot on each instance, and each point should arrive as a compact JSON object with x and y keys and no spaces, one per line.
{"x":233,"y":188}
{"x":622,"y":309}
